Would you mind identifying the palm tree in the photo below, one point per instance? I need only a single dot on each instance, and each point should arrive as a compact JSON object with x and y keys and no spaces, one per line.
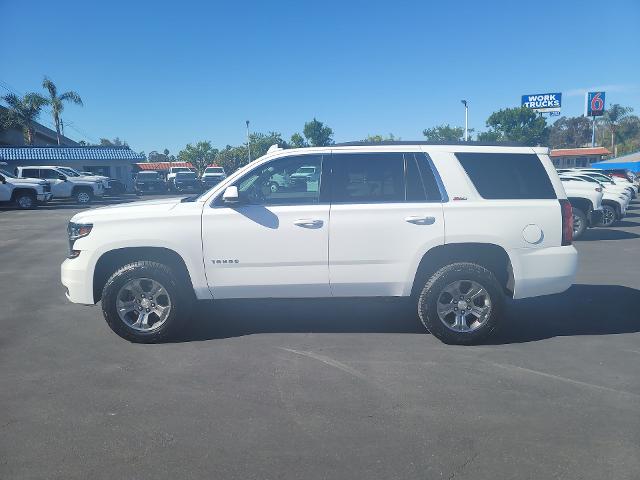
{"x":24,"y":111}
{"x":57,"y":102}
{"x":613,"y":117}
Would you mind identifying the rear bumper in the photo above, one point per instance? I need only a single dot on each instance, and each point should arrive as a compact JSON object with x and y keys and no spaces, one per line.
{"x":543,"y":271}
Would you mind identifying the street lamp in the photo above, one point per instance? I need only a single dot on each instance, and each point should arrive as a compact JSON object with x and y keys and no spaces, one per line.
{"x":248,"y":142}
{"x":466,"y":120}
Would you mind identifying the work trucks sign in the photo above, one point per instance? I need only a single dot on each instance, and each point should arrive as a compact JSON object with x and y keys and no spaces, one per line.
{"x":543,"y":102}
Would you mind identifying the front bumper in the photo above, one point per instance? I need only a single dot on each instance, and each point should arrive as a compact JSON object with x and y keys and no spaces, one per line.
{"x":543,"y":271}
{"x":77,"y":283}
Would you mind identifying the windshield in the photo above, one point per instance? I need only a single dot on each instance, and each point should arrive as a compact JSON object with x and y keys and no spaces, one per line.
{"x":214,"y":170}
{"x":69,"y":171}
{"x":7,"y":174}
{"x":180,"y":169}
{"x":148,"y":175}
{"x":186,"y":175}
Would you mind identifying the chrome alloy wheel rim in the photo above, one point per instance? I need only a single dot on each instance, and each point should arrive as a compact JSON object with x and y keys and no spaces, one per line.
{"x":609,"y":216}
{"x":83,"y":197}
{"x":464,"y":306}
{"x":25,"y":201}
{"x":577,"y":224}
{"x":143,"y":304}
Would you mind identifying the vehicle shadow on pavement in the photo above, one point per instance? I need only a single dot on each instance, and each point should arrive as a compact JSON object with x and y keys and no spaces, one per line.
{"x":581,"y":310}
{"x":594,"y":234}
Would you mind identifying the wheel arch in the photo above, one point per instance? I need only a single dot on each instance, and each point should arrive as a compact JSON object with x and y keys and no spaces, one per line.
{"x":583,"y":204}
{"x":491,"y":256}
{"x":19,"y":190}
{"x":110,"y":261}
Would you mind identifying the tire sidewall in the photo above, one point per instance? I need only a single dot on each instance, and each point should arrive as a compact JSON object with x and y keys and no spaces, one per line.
{"x":25,"y":195}
{"x":428,"y":298}
{"x":615,"y":215}
{"x":583,"y":222}
{"x":79,"y":193}
{"x":154,"y":271}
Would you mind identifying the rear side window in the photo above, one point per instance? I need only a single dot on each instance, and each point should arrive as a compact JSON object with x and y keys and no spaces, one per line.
{"x":507,"y":175}
{"x":368,"y":178}
{"x":30,"y":173}
{"x":49,"y":174}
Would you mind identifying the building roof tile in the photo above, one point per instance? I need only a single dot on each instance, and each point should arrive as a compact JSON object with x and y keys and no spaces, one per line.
{"x":69,"y":153}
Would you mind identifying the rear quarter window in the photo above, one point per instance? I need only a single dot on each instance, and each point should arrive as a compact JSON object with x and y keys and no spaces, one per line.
{"x":500,"y":176}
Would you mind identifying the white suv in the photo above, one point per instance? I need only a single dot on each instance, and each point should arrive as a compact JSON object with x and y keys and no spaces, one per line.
{"x":458,"y":228}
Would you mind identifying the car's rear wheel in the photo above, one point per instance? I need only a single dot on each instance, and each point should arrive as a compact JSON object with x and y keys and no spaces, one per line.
{"x":25,"y":200}
{"x":579,"y":222}
{"x":461,"y":303}
{"x":145,"y":302}
{"x":609,"y":216}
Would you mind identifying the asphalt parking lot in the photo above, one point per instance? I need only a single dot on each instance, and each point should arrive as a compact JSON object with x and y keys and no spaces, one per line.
{"x":318,"y":389}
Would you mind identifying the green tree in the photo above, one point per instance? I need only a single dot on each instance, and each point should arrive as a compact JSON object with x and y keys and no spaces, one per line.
{"x":519,"y":124}
{"x":298,"y":141}
{"x":232,"y":158}
{"x":57,"y":102}
{"x":261,"y":142}
{"x":116,"y":142}
{"x":380,"y":138}
{"x":200,"y":155}
{"x":23,"y":112}
{"x":613,"y":117}
{"x":317,"y":133}
{"x":444,"y":133}
{"x":570,"y":132}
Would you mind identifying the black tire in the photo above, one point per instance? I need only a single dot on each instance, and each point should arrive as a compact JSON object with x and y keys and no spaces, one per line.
{"x":25,"y":200}
{"x":579,"y":222}
{"x":83,"y":196}
{"x":181,"y":301}
{"x":609,"y":215}
{"x":435,"y":287}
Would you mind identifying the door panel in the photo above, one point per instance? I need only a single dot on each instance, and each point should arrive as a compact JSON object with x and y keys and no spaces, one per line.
{"x":375,"y":249}
{"x":386,"y":212}
{"x":275,"y":242}
{"x":266,"y":251}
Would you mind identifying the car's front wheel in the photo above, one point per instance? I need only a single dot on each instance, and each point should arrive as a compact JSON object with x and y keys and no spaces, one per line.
{"x":144,"y":302}
{"x":83,"y":196}
{"x":461,"y":303}
{"x":25,"y":201}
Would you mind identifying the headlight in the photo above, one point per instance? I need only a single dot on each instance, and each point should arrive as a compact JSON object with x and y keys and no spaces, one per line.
{"x":76,"y":231}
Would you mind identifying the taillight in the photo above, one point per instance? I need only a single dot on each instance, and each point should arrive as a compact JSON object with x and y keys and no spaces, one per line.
{"x":567,"y":222}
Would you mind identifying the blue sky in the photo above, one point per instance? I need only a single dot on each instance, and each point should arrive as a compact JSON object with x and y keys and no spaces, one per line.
{"x":161,"y":74}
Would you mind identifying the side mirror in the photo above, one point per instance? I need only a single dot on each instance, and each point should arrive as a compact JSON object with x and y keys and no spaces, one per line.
{"x":62,"y":177}
{"x":231,"y":195}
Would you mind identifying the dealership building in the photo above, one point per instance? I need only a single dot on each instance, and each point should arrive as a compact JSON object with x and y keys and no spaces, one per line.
{"x":114,"y":162}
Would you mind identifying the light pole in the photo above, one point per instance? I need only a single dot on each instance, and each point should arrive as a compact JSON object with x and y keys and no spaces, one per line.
{"x":248,"y":142}
{"x":466,"y":120}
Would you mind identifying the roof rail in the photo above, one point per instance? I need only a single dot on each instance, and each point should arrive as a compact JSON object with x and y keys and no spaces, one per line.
{"x":425,"y":142}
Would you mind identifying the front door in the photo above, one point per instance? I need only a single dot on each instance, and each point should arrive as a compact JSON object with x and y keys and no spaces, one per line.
{"x":386,"y":212}
{"x":274,"y":241}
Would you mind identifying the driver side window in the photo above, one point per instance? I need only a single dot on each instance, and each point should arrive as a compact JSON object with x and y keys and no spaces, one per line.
{"x":286,"y":181}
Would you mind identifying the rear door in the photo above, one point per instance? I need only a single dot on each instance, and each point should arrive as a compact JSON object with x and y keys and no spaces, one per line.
{"x":386,"y":212}
{"x":59,"y":188}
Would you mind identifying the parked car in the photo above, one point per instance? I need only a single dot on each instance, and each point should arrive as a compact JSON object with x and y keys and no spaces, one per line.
{"x":212,"y":176}
{"x":455,"y":228}
{"x":586,"y":203}
{"x":150,"y":181}
{"x":173,"y":171}
{"x":72,"y":172}
{"x":185,"y":182}
{"x":614,"y":204}
{"x":116,"y":187}
{"x":81,"y":189}
{"x":24,"y":193}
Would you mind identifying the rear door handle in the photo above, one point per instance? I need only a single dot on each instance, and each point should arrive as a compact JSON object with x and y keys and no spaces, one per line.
{"x":417,"y":220}
{"x":308,"y":222}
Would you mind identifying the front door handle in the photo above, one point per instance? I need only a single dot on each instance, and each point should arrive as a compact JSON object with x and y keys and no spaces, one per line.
{"x":417,"y":220}
{"x":308,"y":222}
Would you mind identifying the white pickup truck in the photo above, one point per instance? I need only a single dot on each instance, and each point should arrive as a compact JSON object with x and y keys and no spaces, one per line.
{"x":24,"y":193}
{"x":457,"y":228}
{"x":82,"y":190}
